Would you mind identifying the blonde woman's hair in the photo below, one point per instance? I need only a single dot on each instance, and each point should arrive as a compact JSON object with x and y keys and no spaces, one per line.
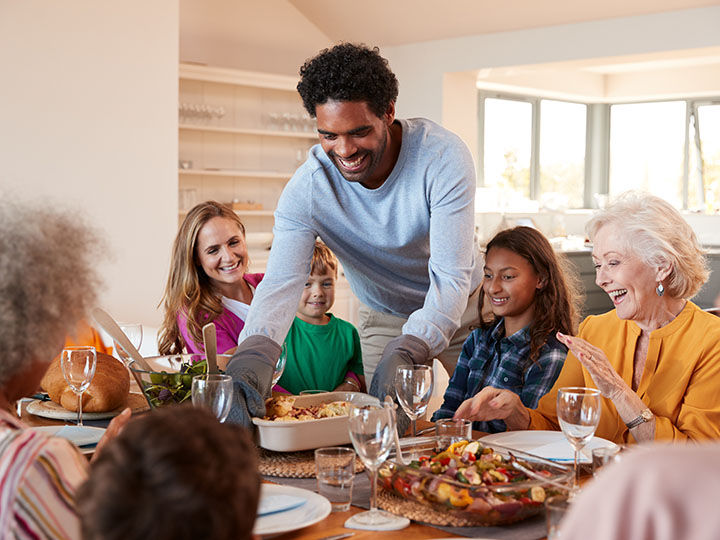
{"x":188,"y":288}
{"x":657,"y":233}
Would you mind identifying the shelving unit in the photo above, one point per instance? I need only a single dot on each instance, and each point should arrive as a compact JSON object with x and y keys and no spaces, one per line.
{"x":246,"y":146}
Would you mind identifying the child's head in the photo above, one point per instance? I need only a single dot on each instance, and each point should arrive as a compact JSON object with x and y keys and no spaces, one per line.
{"x":172,"y":473}
{"x":524,"y":277}
{"x":319,"y":293}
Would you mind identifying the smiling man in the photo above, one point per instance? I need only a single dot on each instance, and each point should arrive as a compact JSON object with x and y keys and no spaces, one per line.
{"x":394,"y":200}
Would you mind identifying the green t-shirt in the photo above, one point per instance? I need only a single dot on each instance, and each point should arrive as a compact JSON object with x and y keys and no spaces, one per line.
{"x":319,"y":355}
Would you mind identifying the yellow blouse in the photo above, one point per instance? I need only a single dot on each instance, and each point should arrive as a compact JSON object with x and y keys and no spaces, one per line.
{"x":680,"y":383}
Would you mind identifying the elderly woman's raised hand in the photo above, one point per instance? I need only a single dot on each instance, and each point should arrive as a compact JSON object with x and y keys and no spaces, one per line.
{"x":495,"y":404}
{"x":607,"y":380}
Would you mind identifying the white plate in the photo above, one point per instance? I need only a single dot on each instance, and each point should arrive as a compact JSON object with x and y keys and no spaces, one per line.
{"x":50,"y":409}
{"x":316,"y":508}
{"x":78,"y":435}
{"x":547,"y":444}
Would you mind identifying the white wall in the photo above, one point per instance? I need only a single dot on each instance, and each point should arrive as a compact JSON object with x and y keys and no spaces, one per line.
{"x":89,"y":119}
{"x":420,"y":67}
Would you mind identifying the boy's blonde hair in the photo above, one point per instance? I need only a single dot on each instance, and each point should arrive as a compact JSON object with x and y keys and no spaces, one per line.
{"x":323,"y":260}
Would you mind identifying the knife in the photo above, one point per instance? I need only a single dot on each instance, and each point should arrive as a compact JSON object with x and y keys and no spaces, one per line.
{"x":337,"y":536}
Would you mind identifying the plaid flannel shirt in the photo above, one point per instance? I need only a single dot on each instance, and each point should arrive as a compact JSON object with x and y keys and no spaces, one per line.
{"x":488,"y":358}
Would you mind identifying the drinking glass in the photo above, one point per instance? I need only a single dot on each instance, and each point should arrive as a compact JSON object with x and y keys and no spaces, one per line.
{"x":280,"y":365}
{"x":134,"y":333}
{"x":78,"y":368}
{"x":578,"y":410}
{"x":413,"y":386}
{"x":214,"y":392}
{"x":335,"y":470}
{"x":372,"y":432}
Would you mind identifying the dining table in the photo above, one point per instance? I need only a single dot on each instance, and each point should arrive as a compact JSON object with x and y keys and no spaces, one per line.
{"x":333,"y":525}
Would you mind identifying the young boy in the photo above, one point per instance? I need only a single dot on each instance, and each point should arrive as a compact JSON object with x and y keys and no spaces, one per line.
{"x":323,"y":352}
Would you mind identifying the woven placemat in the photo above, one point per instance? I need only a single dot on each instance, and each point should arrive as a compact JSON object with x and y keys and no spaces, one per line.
{"x":292,"y":464}
{"x":424,"y":512}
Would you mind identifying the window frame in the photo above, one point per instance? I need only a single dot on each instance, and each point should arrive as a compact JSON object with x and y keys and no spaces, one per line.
{"x":597,"y":141}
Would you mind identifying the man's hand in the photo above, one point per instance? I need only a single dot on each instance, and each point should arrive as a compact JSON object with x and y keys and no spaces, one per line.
{"x":113,"y":430}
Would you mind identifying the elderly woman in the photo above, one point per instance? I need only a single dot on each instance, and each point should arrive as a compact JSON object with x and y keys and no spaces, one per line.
{"x":656,"y":357}
{"x":208,"y":281}
{"x":47,"y":284}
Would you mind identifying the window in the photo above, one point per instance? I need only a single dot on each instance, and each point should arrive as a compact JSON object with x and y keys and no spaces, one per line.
{"x":534,"y":149}
{"x":508,"y":140}
{"x":647,"y":145}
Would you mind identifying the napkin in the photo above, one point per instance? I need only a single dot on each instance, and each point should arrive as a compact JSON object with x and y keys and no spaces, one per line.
{"x":272,"y":504}
{"x":560,"y":450}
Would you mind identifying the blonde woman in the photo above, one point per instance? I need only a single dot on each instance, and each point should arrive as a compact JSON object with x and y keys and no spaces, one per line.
{"x":208,"y":281}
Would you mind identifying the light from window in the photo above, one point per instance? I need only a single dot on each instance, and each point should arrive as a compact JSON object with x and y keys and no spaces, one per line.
{"x":507,"y":147}
{"x":562,"y":153}
{"x":708,"y":163}
{"x":647,"y":148}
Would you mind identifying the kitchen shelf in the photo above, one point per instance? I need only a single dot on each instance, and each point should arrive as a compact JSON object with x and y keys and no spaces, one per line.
{"x":305,"y":135}
{"x":270,"y":175}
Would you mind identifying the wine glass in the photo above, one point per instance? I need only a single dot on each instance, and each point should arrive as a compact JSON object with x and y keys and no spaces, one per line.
{"x":78,"y":368}
{"x":280,"y":365}
{"x":372,"y":432}
{"x":413,"y":386}
{"x":134,"y":333}
{"x":215,"y":392}
{"x":578,"y":410}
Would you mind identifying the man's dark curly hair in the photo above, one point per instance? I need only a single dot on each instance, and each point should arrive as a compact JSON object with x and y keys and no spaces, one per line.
{"x":348,"y":72}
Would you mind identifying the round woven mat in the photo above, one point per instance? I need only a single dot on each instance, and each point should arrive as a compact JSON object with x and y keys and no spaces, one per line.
{"x":292,"y":464}
{"x":425,"y":513}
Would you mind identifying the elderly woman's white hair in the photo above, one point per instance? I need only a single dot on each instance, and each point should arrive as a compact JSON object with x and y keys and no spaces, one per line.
{"x":656,"y":232}
{"x":47,"y":282}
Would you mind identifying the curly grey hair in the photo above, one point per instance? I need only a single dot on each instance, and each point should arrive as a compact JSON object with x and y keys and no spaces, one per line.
{"x":47,"y":282}
{"x":657,"y":233}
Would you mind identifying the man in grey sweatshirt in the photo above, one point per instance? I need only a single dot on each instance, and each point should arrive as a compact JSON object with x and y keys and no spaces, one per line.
{"x":394,"y":200}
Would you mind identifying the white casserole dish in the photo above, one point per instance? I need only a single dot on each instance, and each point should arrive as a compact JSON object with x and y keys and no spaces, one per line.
{"x":294,"y":435}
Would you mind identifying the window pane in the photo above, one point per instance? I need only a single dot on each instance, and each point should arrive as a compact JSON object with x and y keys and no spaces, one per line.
{"x":647,"y":146}
{"x":508,"y":130}
{"x":709,"y":124}
{"x":562,"y":152}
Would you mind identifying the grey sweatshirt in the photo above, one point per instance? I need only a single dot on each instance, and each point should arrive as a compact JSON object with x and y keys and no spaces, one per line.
{"x":407,"y":248}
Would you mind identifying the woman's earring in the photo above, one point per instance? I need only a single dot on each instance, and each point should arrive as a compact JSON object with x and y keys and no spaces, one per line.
{"x":660,"y":290}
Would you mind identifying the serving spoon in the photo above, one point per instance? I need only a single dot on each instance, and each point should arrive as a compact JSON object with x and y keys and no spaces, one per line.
{"x":210,"y":342}
{"x":390,"y":404}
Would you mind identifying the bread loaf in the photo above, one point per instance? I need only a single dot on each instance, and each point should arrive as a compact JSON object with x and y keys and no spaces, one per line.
{"x":108,"y":390}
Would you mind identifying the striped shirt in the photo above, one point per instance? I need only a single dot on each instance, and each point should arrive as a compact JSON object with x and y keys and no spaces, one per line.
{"x":488,"y":358}
{"x":38,"y":479}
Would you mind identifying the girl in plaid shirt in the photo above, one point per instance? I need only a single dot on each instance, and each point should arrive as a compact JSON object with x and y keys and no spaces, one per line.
{"x":532,"y":295}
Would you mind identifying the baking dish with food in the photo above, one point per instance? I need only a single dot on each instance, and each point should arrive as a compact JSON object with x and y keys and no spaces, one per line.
{"x":294,"y":435}
{"x":475,"y":482}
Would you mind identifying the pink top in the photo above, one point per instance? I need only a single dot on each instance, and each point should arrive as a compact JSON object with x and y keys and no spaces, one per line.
{"x":227,"y":326}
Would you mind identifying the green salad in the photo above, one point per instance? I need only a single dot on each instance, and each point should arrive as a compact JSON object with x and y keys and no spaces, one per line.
{"x":163,"y":388}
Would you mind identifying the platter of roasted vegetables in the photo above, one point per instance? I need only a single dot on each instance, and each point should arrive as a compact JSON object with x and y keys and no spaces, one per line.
{"x":478,"y":483}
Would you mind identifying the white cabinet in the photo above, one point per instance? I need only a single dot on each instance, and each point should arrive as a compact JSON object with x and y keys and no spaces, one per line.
{"x":241,"y":136}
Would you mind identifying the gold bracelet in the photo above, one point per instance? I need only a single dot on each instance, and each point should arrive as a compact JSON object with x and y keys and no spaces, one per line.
{"x":352,"y":382}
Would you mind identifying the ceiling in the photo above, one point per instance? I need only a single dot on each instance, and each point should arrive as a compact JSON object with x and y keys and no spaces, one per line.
{"x":397,"y":22}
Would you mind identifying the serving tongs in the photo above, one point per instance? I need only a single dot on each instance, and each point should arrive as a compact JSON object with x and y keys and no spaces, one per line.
{"x":108,"y":324}
{"x":389,"y":404}
{"x":532,"y":474}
